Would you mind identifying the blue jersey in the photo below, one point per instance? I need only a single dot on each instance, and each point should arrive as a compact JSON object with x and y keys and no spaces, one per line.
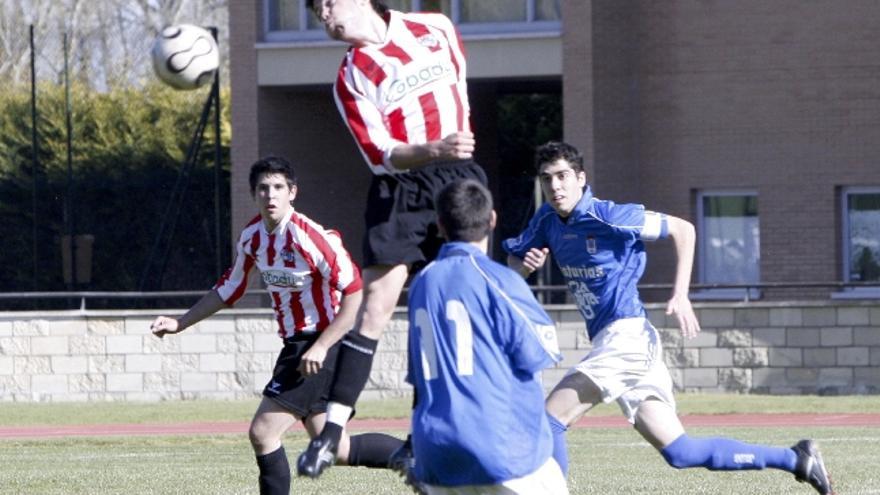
{"x":477,"y":340}
{"x":599,"y":251}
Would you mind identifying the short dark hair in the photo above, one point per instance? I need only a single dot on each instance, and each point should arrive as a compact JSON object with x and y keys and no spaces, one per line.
{"x":552,"y":151}
{"x":378,"y":6}
{"x":464,"y":209}
{"x":271,"y":164}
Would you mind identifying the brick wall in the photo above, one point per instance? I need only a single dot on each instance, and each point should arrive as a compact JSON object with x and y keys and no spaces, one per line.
{"x":777,"y":348}
{"x":681,"y":96}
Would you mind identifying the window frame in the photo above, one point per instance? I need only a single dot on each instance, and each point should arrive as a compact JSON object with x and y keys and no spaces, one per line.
{"x":733,"y":293}
{"x":530,"y":25}
{"x":851,"y":292}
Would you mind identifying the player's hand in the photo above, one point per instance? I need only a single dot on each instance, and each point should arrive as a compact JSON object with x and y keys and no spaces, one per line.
{"x":535,"y":258}
{"x":312,"y":360}
{"x":163,"y":325}
{"x":681,"y":307}
{"x":457,"y":146}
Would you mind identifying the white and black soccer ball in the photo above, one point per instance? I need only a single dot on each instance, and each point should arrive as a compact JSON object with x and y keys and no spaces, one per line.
{"x":185,"y":56}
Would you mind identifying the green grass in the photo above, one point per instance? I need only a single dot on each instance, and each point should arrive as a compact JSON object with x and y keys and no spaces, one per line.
{"x":53,"y":414}
{"x":612,"y":460}
{"x":29,"y":414}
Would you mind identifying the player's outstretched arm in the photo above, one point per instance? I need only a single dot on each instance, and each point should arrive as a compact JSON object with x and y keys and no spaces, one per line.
{"x":313,"y":359}
{"x":534,"y":259}
{"x":209,"y":304}
{"x":456,"y":146}
{"x":684,"y":236}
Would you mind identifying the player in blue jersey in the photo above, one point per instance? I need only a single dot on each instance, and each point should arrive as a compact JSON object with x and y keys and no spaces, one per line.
{"x":477,"y":341}
{"x":598,"y":246}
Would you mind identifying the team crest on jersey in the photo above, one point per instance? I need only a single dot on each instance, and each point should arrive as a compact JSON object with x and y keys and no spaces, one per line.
{"x":591,"y":245}
{"x":428,"y":41}
{"x":288,"y":255}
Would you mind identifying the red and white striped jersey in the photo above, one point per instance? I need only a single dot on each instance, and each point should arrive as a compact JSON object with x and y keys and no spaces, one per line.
{"x":409,"y":90}
{"x":305,"y":268}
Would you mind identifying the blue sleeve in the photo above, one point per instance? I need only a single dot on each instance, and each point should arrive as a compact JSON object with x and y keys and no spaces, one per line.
{"x":632,"y":220}
{"x":530,"y":340}
{"x":532,"y":237}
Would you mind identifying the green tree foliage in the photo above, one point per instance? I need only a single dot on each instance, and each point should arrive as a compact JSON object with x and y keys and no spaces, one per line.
{"x":128,"y":147}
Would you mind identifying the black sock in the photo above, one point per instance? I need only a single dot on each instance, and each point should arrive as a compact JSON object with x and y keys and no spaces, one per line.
{"x":372,"y":449}
{"x":352,"y":368}
{"x":332,"y":431}
{"x":274,"y":473}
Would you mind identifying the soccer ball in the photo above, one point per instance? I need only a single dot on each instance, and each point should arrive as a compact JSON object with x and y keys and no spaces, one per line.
{"x":185,"y":56}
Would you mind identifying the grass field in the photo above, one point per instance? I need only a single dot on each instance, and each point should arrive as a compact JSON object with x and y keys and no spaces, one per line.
{"x":612,"y":460}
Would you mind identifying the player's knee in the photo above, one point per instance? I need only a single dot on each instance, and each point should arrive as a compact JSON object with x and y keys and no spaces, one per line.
{"x":262,"y":438}
{"x":684,"y":452}
{"x":376,"y":316}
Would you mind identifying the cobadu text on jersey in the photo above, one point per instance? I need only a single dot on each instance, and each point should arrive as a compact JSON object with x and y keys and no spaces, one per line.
{"x":407,"y":83}
{"x":280,"y":278}
{"x":584,"y":299}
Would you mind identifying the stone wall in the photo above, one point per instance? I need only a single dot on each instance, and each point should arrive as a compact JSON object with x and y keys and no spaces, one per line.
{"x":778,"y":348}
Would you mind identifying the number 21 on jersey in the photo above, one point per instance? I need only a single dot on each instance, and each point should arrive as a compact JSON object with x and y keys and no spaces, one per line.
{"x":460,"y":324}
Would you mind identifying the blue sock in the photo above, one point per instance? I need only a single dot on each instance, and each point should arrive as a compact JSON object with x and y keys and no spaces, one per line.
{"x":560,"y":449}
{"x":724,"y":454}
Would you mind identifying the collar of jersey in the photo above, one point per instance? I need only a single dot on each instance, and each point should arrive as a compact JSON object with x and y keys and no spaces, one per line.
{"x":459,"y":249}
{"x":281,"y":225}
{"x":583,"y":206}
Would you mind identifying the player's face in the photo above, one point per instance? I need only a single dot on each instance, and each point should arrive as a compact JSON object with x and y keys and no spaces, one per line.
{"x":339,"y":17}
{"x":274,"y":197}
{"x":563,"y":187}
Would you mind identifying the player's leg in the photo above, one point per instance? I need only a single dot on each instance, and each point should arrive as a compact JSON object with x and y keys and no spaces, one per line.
{"x":658,"y":423}
{"x":366,"y":449}
{"x":575,"y":394}
{"x":267,"y":427}
{"x":383,"y":285}
{"x":287,"y":398}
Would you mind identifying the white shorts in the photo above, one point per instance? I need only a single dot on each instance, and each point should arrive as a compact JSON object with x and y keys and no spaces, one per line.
{"x":626,"y":363}
{"x":546,"y":480}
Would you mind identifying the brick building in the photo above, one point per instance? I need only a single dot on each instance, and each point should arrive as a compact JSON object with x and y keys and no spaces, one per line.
{"x":758,"y":121}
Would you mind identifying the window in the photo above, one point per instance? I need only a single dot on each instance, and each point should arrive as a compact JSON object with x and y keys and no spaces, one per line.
{"x":861,"y":234}
{"x":729,"y":242}
{"x":290,"y":20}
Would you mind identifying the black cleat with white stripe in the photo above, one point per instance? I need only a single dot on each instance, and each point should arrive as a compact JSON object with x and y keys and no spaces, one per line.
{"x":810,"y":467}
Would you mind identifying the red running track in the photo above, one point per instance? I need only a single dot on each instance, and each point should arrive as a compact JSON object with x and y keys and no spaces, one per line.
{"x":751,"y":420}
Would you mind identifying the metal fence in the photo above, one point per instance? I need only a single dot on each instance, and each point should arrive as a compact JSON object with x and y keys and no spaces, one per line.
{"x":83,"y":300}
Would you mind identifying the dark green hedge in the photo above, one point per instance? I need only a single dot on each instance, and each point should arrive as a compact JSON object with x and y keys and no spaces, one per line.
{"x":128,"y":148}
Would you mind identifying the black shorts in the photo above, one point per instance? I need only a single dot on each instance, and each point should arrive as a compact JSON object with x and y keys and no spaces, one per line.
{"x":298,"y":394}
{"x":400,"y":215}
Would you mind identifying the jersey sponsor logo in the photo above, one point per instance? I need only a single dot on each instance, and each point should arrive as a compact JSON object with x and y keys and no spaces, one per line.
{"x":280,"y":278}
{"x":588,"y":272}
{"x":407,"y":83}
{"x":744,"y":458}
